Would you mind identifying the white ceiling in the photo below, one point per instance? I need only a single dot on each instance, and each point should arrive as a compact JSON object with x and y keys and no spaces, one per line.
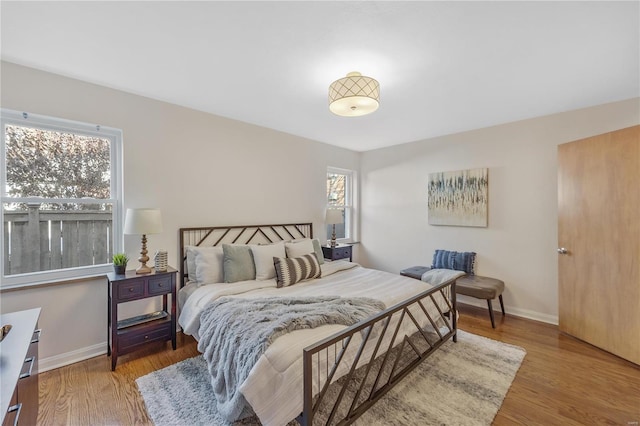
{"x":443,"y":67}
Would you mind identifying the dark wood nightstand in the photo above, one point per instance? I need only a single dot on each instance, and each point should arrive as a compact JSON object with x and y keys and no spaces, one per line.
{"x":341,"y":251}
{"x":130,"y":334}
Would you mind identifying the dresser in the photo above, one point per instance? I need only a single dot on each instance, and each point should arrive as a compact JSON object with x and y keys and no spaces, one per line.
{"x":131,"y":334}
{"x":19,"y":372}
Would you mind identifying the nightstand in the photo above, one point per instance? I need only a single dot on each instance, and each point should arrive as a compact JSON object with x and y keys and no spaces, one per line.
{"x":341,"y":251}
{"x":131,"y":334}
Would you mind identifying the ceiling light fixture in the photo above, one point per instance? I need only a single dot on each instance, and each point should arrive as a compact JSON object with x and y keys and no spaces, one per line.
{"x":354,"y":95}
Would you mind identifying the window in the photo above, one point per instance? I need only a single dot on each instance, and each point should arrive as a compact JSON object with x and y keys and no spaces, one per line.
{"x":340,"y":194}
{"x":61,"y":192}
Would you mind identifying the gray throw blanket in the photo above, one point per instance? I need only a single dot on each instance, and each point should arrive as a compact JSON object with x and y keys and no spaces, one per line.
{"x":234,"y":333}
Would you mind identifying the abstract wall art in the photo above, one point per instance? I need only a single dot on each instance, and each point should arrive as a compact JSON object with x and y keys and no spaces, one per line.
{"x":459,"y":198}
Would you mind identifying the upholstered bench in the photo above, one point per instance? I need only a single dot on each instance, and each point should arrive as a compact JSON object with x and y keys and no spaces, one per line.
{"x":469,"y":285}
{"x":482,"y":288}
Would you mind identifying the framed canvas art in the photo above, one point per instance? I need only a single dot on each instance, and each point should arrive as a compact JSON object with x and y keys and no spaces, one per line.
{"x":459,"y":198}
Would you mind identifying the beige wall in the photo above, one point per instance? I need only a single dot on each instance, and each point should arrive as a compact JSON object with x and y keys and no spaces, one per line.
{"x":519,"y":245}
{"x":199,"y":169}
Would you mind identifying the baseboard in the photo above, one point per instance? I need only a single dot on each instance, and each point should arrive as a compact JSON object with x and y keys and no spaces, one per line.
{"x":61,"y":360}
{"x":524,"y":313}
{"x":57,"y":361}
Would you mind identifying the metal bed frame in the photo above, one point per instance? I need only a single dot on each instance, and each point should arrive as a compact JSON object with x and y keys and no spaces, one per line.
{"x":359,"y":381}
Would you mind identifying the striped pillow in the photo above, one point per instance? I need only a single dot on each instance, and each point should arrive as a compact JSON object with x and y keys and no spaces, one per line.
{"x":459,"y":261}
{"x":293,"y":270}
{"x":443,"y":259}
{"x":464,"y":261}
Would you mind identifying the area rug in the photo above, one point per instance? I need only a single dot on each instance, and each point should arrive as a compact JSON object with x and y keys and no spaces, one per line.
{"x":462,"y":383}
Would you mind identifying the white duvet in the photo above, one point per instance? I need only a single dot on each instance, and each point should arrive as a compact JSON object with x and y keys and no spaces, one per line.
{"x":274,"y":386}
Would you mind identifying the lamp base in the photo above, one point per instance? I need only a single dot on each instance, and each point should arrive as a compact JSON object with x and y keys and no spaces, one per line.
{"x":143,"y":259}
{"x":333,"y":237}
{"x":143,"y":269}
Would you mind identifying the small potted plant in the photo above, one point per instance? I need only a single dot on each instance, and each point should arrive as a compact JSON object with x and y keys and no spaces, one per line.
{"x":120,"y":261}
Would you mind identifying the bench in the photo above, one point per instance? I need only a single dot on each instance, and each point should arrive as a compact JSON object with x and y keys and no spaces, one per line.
{"x":482,"y":288}
{"x":469,"y":285}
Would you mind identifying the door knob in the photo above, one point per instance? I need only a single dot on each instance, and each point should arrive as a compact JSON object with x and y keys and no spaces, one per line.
{"x":563,"y":250}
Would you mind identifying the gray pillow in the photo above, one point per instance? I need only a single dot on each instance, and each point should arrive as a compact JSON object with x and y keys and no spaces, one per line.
{"x":318,"y":250}
{"x":238,"y":263}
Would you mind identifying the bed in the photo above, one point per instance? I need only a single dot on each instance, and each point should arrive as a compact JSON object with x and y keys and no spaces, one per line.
{"x":332,"y":373}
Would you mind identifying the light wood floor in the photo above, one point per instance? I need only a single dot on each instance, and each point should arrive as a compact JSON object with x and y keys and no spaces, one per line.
{"x":562,"y":380}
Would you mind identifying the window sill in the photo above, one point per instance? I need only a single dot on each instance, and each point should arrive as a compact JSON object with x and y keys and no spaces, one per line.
{"x":12,"y":284}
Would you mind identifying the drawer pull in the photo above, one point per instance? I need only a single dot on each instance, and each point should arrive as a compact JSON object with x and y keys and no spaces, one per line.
{"x":160,"y":285}
{"x":130,"y":289}
{"x":37,"y":338}
{"x":28,"y":374}
{"x":18,"y":408}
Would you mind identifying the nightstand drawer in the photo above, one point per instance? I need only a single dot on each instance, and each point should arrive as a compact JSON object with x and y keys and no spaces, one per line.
{"x":342,"y":252}
{"x":338,"y":252}
{"x":134,"y":338}
{"x":160,"y":285}
{"x":131,"y":289}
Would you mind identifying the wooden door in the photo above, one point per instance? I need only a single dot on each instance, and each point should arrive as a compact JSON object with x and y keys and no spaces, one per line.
{"x":599,"y":226}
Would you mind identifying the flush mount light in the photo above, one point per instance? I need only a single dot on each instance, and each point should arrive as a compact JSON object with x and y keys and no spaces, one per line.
{"x":354,"y":95}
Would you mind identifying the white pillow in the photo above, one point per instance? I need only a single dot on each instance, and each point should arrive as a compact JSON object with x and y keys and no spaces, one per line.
{"x":299,"y":248}
{"x":191,"y":252}
{"x":263,"y":259}
{"x":208,"y":265}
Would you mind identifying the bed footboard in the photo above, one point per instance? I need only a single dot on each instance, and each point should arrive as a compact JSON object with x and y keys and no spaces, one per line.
{"x":367,"y":359}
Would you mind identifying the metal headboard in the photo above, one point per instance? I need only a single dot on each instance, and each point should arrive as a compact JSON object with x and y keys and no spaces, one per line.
{"x":211,"y":236}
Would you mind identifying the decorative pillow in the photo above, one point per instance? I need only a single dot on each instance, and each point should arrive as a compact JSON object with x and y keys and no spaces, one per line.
{"x":464,"y":261}
{"x":238,"y":263}
{"x":263,"y":259}
{"x":459,"y":261}
{"x":293,"y":270}
{"x":318,"y":250}
{"x":206,"y":269}
{"x":443,"y":259}
{"x":190,"y":253}
{"x":297,"y":248}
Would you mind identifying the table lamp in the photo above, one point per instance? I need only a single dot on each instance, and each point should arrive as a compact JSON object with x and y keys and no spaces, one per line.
{"x":143,"y":222}
{"x":333,"y":217}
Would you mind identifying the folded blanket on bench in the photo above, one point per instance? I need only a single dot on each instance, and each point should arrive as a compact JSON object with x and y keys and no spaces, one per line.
{"x":438,"y":276}
{"x":235,"y":332}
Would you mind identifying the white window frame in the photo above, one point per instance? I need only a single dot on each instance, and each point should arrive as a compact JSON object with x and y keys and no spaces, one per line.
{"x":10,"y":117}
{"x":350,"y":203}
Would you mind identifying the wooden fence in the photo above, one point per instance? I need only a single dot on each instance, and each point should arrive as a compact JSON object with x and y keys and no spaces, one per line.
{"x":42,"y":240}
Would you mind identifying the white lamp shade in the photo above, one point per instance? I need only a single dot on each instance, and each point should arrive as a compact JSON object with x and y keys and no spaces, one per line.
{"x":142,"y":222}
{"x":354,"y":95}
{"x":333,"y":216}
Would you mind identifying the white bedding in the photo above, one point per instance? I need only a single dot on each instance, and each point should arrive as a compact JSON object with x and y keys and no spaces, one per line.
{"x":274,"y":386}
